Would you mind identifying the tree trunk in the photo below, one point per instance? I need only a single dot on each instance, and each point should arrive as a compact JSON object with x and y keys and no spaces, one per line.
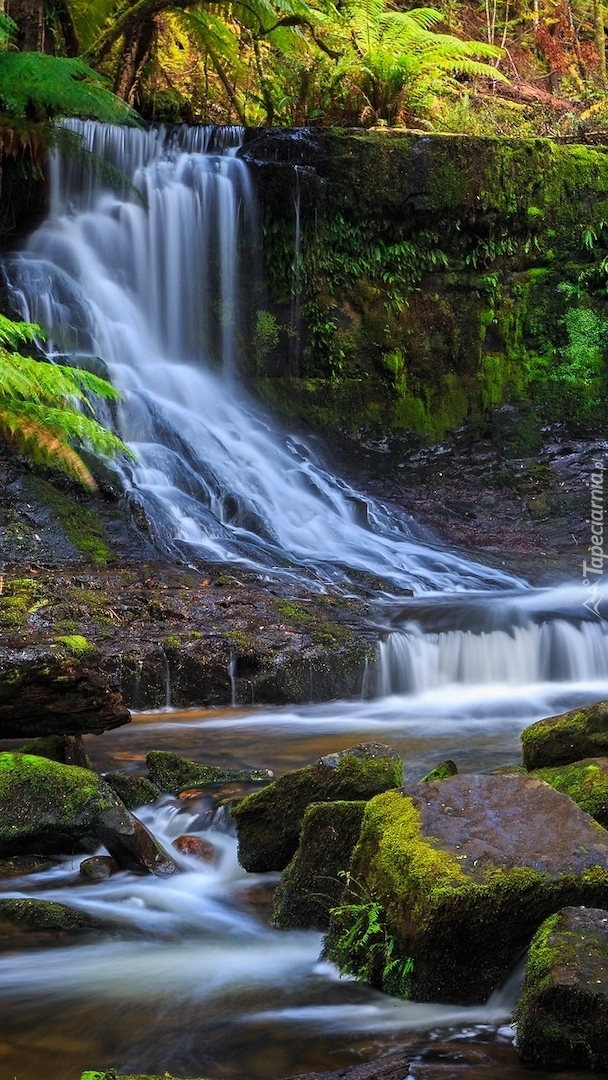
{"x":136,"y":51}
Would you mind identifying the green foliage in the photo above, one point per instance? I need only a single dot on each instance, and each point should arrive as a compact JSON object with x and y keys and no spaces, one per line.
{"x":363,"y":947}
{"x":44,"y":408}
{"x":265,"y":335}
{"x":47,"y":87}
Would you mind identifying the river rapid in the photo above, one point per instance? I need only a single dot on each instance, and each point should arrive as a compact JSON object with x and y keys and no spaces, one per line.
{"x":187,"y":976}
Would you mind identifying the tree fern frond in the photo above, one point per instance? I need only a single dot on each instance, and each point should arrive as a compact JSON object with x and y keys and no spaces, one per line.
{"x":56,"y":86}
{"x":17,"y":333}
{"x":43,"y":445}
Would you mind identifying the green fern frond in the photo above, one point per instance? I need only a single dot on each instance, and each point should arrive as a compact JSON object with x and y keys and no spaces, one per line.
{"x":45,"y":408}
{"x":56,"y":86}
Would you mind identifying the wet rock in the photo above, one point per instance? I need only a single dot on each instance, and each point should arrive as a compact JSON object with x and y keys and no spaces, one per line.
{"x":197,"y":848}
{"x":111,"y":1074}
{"x":391,"y":1066}
{"x":172,"y":773}
{"x":45,"y":915}
{"x":47,"y":808}
{"x":66,"y":749}
{"x":311,"y":885}
{"x":132,"y":790}
{"x":131,"y":844}
{"x":99,"y":867}
{"x":586,"y":782}
{"x":458,"y":875}
{"x":23,"y":864}
{"x":562,"y":1015}
{"x":441,"y":771}
{"x":41,"y":694}
{"x":571,"y":736}
{"x":268,"y":822}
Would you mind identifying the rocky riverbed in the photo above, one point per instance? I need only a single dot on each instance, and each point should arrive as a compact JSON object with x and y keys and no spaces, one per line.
{"x":83,"y":572}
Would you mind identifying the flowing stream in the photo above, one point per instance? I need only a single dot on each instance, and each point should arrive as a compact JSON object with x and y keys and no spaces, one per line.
{"x":150,"y":285}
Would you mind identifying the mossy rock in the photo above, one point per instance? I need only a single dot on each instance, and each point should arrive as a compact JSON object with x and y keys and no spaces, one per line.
{"x":441,"y":772}
{"x":586,"y":782}
{"x":172,"y":774}
{"x":310,"y":886}
{"x":571,"y":736}
{"x":268,"y":823}
{"x":562,"y":1015}
{"x":458,"y":874}
{"x":47,"y":808}
{"x":66,"y":749}
{"x":111,"y":1074}
{"x":45,"y":915}
{"x":133,"y":791}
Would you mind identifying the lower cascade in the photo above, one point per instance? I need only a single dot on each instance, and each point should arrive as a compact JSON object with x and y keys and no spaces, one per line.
{"x":148,"y":282}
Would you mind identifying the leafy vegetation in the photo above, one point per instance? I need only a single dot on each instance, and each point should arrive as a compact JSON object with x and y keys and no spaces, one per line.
{"x":45,"y":408}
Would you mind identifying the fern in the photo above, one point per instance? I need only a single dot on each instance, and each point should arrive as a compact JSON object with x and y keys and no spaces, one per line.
{"x":51,"y":86}
{"x":45,"y":408}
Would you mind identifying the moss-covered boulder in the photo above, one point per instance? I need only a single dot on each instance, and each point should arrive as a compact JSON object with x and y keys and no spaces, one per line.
{"x":441,"y":772}
{"x":172,"y":774}
{"x":450,"y":880}
{"x":586,"y":782}
{"x":268,"y":823}
{"x":44,"y":694}
{"x":562,"y":1015}
{"x":45,"y":915}
{"x":571,"y":736}
{"x":310,"y":886}
{"x":111,"y":1074}
{"x":47,"y":808}
{"x":132,"y":790}
{"x":67,"y":749}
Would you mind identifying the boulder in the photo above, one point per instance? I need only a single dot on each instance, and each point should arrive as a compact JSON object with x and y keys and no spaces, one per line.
{"x":132,"y":790}
{"x":268,"y":822}
{"x":131,"y":844}
{"x":451,"y":879}
{"x":586,"y":782}
{"x":562,"y":1015}
{"x":111,"y":1074}
{"x":45,"y":915}
{"x":43,"y":694}
{"x":66,"y":749}
{"x":571,"y":736}
{"x":196,"y":847}
{"x":310,"y":886}
{"x":99,"y":867}
{"x":47,"y":808}
{"x":172,"y":773}
{"x":441,"y":771}
{"x":391,"y":1066}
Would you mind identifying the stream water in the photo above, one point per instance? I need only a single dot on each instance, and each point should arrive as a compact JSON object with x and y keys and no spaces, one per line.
{"x":189,"y":977}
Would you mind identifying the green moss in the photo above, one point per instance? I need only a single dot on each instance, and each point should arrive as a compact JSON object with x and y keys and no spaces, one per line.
{"x":44,"y":914}
{"x":76,"y":644}
{"x":321,"y":631}
{"x":440,"y":772}
{"x":83,"y":526}
{"x":570,"y":737}
{"x":586,"y":782}
{"x":46,"y":806}
{"x":449,"y":914}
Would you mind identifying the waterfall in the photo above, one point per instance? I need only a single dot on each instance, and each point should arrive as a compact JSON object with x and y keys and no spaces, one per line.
{"x":150,"y":281}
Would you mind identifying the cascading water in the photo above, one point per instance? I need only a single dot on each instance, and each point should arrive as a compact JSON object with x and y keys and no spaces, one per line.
{"x":151,"y":287}
{"x":155,"y":286}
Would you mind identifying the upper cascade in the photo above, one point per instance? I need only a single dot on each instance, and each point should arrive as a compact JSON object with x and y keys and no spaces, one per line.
{"x":157,"y":278}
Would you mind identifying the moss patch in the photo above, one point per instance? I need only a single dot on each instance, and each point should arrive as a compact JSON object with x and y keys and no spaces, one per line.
{"x":84,"y":528}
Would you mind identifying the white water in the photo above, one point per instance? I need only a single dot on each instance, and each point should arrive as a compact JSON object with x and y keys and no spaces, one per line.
{"x":188,"y":978}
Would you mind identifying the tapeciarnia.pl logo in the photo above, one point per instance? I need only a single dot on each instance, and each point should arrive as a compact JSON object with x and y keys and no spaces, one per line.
{"x":593,"y":571}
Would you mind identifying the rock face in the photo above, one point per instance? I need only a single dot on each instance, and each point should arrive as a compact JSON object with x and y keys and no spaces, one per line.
{"x":268,"y":823}
{"x":44,"y":695}
{"x":562,"y":1016}
{"x":310,"y":885}
{"x":459,"y":874}
{"x":586,"y":782}
{"x":560,"y":740}
{"x":171,"y":773}
{"x":132,"y":790}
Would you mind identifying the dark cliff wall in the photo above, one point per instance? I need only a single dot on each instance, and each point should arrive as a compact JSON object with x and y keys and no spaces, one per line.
{"x":436,"y":277}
